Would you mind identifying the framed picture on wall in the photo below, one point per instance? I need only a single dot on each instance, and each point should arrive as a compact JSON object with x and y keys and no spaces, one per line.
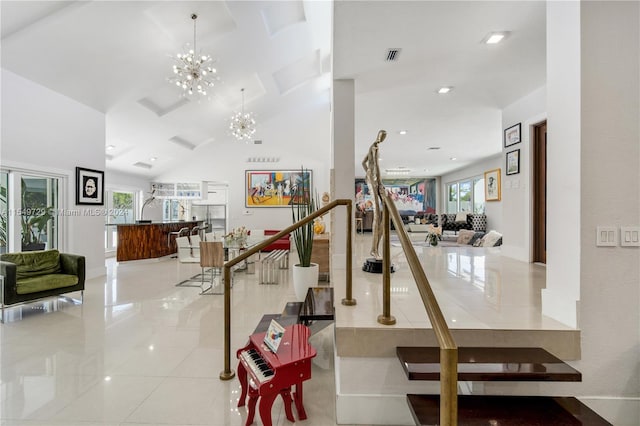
{"x":512,"y":135}
{"x":277,"y":188}
{"x":492,"y":185}
{"x":89,"y":186}
{"x":513,"y":162}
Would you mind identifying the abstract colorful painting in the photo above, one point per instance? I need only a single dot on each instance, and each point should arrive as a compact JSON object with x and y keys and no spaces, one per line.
{"x":277,"y":188}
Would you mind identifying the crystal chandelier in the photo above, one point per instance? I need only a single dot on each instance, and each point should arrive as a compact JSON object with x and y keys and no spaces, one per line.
{"x":192,"y":71}
{"x":242,"y":125}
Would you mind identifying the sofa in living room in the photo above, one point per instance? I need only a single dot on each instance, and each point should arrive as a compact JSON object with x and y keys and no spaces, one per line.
{"x":457,"y":221}
{"x":33,"y":275}
{"x":450,"y":222}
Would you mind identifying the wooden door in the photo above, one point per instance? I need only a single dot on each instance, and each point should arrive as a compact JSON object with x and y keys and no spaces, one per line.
{"x":540,"y":193}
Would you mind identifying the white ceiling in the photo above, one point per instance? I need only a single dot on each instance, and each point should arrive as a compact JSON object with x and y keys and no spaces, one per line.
{"x":116,"y":57}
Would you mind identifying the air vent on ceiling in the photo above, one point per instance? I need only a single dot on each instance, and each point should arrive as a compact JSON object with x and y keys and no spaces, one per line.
{"x":392,"y":54}
{"x":142,"y":165}
{"x":183,"y":142}
{"x":263,"y":159}
{"x":257,"y":142}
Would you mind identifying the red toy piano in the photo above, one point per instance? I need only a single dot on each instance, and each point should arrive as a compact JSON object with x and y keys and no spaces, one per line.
{"x":264,"y":373}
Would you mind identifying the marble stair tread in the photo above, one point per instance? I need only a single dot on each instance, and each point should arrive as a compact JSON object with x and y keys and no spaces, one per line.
{"x":488,"y":364}
{"x":476,"y":410}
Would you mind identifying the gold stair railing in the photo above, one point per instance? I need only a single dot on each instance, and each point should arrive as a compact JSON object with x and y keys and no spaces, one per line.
{"x":448,"y":347}
{"x":228,"y":373}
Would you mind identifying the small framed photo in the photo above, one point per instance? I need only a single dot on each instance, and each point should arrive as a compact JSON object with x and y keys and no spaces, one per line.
{"x":492,"y":185}
{"x":512,"y":135}
{"x":513,"y":162}
{"x":89,"y":186}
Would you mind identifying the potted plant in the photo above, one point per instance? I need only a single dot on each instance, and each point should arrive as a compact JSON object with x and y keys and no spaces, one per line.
{"x":303,"y":204}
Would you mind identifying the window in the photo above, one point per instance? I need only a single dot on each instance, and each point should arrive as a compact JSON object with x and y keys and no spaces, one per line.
{"x":173,"y":210}
{"x":466,"y":195}
{"x":464,"y":192}
{"x":121,"y":209}
{"x":452,"y":198}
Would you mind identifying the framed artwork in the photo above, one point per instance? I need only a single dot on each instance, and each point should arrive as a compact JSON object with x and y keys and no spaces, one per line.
{"x":89,"y":186}
{"x":492,"y":185}
{"x":277,"y":188}
{"x":512,"y":135}
{"x":513,"y":162}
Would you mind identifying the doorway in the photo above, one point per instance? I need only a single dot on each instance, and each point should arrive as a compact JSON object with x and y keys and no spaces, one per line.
{"x":540,"y":193}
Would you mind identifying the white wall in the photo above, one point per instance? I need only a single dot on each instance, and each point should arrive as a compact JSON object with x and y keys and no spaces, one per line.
{"x":45,"y":131}
{"x":609,"y":195}
{"x":306,"y":134}
{"x":517,"y":189}
{"x":563,"y":162}
{"x":343,"y":159}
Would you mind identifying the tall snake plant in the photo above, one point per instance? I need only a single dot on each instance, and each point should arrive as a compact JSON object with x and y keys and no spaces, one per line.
{"x":302,"y":205}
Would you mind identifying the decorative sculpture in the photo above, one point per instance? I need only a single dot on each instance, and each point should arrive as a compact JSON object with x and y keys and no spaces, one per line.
{"x":377,"y":189}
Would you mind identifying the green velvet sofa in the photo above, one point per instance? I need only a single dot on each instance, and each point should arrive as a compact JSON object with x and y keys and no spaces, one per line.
{"x":33,"y":275}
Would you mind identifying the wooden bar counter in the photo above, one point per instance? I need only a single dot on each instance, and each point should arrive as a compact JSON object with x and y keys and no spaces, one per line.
{"x":148,"y":240}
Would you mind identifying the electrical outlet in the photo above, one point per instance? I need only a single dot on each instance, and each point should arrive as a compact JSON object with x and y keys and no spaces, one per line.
{"x":606,"y":236}
{"x":630,"y":236}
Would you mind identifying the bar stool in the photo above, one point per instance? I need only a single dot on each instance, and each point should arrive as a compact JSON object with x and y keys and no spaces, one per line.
{"x":178,"y":233}
{"x":359,"y":224}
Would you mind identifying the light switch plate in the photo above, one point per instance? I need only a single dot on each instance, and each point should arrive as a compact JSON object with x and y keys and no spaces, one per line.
{"x":630,"y":236}
{"x":606,"y":236}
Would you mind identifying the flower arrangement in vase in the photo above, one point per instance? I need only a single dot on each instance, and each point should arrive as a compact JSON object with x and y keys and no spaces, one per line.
{"x":237,"y":237}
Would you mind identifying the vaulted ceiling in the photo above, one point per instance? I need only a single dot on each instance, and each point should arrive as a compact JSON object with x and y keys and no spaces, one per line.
{"x":116,"y":57}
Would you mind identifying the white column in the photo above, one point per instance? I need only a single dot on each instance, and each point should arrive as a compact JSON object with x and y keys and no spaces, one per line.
{"x":342,"y":162}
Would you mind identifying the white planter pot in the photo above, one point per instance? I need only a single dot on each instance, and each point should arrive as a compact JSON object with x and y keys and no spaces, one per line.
{"x":303,"y":278}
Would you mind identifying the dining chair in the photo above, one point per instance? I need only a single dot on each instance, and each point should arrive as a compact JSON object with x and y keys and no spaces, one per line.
{"x":186,"y":256}
{"x":211,"y":257}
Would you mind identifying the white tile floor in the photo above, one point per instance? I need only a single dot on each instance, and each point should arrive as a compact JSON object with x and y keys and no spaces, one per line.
{"x":141,"y":351}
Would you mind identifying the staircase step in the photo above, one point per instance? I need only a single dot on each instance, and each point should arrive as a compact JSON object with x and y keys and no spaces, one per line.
{"x":318,"y":305}
{"x":477,"y":410}
{"x":489,"y":364}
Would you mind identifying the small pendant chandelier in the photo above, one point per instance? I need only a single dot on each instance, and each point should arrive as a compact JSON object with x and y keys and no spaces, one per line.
{"x":242,"y":125}
{"x":193,"y":73}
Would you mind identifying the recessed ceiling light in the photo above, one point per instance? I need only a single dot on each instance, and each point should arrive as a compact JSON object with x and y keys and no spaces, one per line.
{"x":403,"y":132}
{"x":445,"y":89}
{"x":152,"y":159}
{"x":495,"y":37}
{"x":111,"y":147}
{"x":453,"y":158}
{"x":433,"y":148}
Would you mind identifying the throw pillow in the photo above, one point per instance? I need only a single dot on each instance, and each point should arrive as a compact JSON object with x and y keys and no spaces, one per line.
{"x":479,"y":242}
{"x":498,"y":243}
{"x":464,"y":236}
{"x":476,"y":237}
{"x":461,"y":217}
{"x":491,"y":238}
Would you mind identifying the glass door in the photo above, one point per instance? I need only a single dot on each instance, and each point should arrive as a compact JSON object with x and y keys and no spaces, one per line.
{"x":38,"y":212}
{"x":4,"y":211}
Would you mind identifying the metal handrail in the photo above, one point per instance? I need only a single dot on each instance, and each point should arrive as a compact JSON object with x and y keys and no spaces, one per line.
{"x":448,"y":347}
{"x":228,"y":373}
